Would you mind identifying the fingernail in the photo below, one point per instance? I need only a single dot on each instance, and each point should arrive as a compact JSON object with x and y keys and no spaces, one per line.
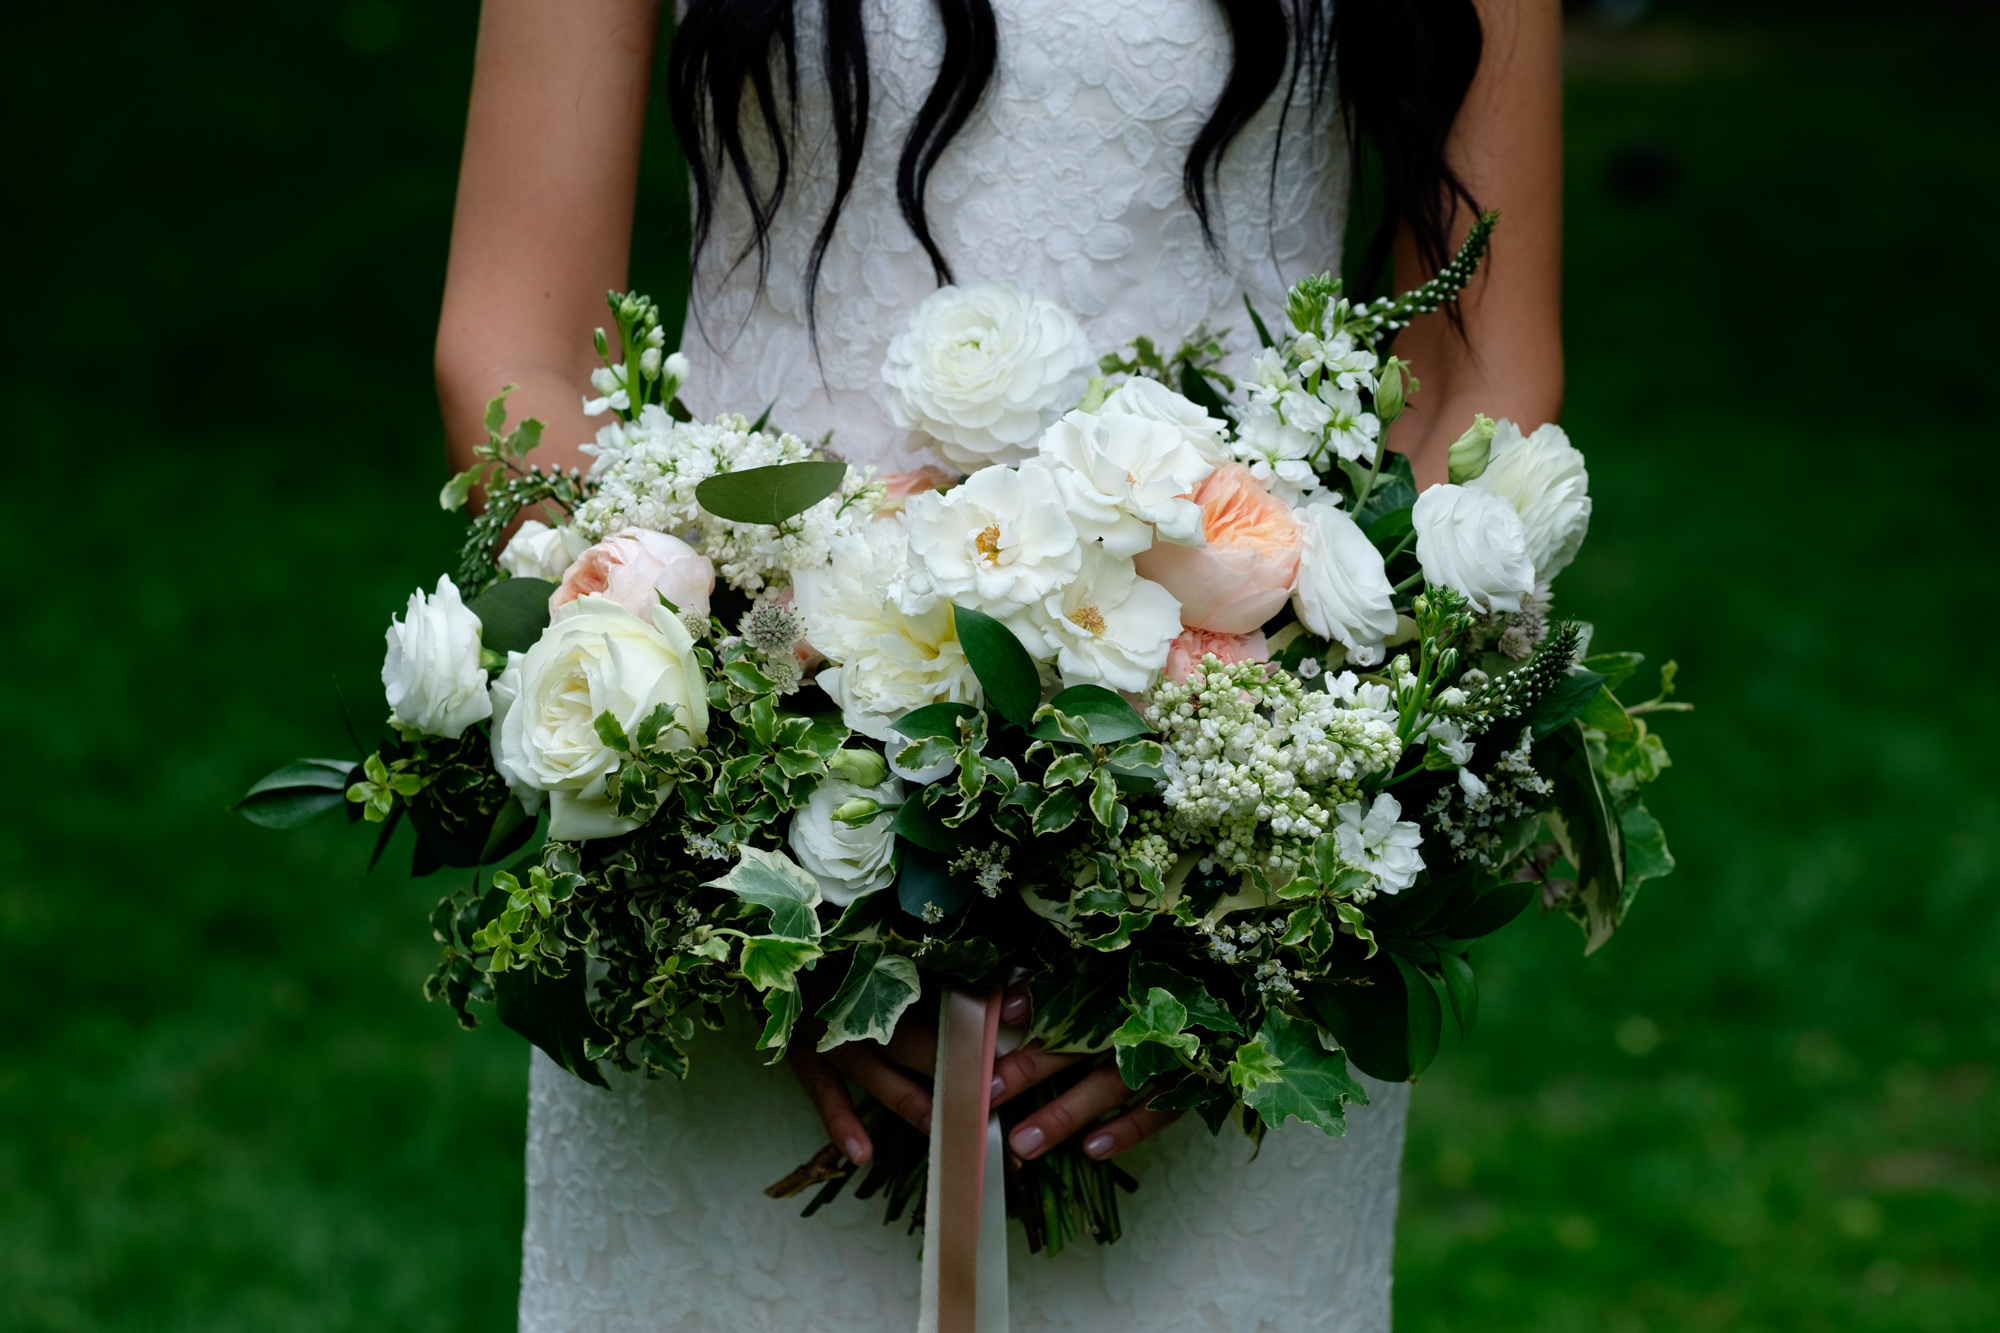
{"x":1097,"y":1145}
{"x":1028,"y":1140}
{"x":1014,"y":1010}
{"x":854,"y":1148}
{"x":999,"y":1085}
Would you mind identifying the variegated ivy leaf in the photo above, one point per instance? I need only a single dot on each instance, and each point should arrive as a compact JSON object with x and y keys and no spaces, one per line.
{"x":784,"y":1004}
{"x":1138,"y":754}
{"x":1148,"y":1041}
{"x":771,"y":879}
{"x":1287,"y":1074}
{"x":878,"y":988}
{"x":770,"y":960}
{"x":1119,"y":937}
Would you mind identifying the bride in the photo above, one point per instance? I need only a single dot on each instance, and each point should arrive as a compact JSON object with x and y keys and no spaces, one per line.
{"x":1144,"y":163}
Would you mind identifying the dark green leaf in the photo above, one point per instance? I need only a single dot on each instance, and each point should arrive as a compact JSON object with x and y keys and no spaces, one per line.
{"x":939,"y":720}
{"x":1616,"y":668}
{"x":924,"y":882}
{"x":1589,"y":836}
{"x":551,"y":1013}
{"x":1488,"y":912}
{"x":1005,"y":671}
{"x":878,"y":988}
{"x":922,"y":827}
{"x":769,"y":494}
{"x":289,"y":797}
{"x":1203,"y":1010}
{"x":611,"y":733}
{"x":1296,"y":1078}
{"x":1106,"y":717}
{"x":1059,"y":811}
{"x":1390,"y":530}
{"x":1257,"y":322}
{"x":1461,"y":988}
{"x":1560,"y":706}
{"x":512,"y":614}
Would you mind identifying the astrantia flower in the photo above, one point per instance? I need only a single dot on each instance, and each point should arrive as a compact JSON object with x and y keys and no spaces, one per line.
{"x":1381,"y":842}
{"x":1125,"y":477}
{"x":1543,"y":477}
{"x":431,"y":672}
{"x":1000,"y":542}
{"x":1108,"y":626}
{"x":1343,"y":591}
{"x":1472,"y":542}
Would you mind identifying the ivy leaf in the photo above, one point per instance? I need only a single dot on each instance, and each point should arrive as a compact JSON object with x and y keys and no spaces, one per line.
{"x":1293,"y":1077}
{"x":773,"y":880}
{"x":1005,"y":671}
{"x":785,"y":1005}
{"x":1616,"y":668}
{"x":769,"y":494}
{"x":1149,"y":1039}
{"x":1203,"y":1010}
{"x":770,"y":960}
{"x":512,"y":614}
{"x":878,"y":988}
{"x":1646,"y":854}
{"x":1106,"y":717}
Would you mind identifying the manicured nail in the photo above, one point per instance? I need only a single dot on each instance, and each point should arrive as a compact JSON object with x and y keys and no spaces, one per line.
{"x":1014,"y":1010}
{"x":999,"y":1085}
{"x":856,"y":1151}
{"x":1098,"y":1145}
{"x":1028,"y":1140}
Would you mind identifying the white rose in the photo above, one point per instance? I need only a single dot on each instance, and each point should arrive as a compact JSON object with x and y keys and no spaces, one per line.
{"x":1002,"y":541}
{"x":539,"y":551}
{"x":848,"y":860}
{"x":985,"y":370}
{"x":1107,"y":627}
{"x":595,"y":657}
{"x":1154,"y":401}
{"x":1473,"y":542}
{"x":889,"y":661}
{"x":1379,"y":842}
{"x":432,"y":672}
{"x":1123,"y":477}
{"x":506,"y":691}
{"x":1543,"y":477}
{"x":1343,"y":590}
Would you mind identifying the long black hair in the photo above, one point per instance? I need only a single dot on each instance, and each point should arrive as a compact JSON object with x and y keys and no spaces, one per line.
{"x":1400,"y":68}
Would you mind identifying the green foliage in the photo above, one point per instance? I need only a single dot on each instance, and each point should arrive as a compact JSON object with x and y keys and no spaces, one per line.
{"x":510,"y":490}
{"x":1286,"y":1074}
{"x":512,"y":614}
{"x":1006,"y":673}
{"x":774,"y":881}
{"x":1148,"y":1041}
{"x":878,"y":987}
{"x":770,"y":494}
{"x":298,"y":792}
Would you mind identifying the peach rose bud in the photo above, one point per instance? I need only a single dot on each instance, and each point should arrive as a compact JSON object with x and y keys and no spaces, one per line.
{"x":636,"y":568}
{"x":1186,"y":652}
{"x":903,"y":485}
{"x":1240,"y":579}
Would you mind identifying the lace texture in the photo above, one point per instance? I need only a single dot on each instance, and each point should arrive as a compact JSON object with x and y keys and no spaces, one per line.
{"x":645,"y":1204}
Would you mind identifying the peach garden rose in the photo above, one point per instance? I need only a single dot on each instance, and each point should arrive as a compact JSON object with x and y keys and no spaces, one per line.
{"x":636,"y":568}
{"x":1246,"y":571}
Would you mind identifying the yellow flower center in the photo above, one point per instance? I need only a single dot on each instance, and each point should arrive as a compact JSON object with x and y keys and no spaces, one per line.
{"x":1088,"y":618}
{"x":988,"y":543}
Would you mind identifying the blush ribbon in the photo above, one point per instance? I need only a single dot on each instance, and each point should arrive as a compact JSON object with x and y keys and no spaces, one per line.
{"x":965,"y":1227}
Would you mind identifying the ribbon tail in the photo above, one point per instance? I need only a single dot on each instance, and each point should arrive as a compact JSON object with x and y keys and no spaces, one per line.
{"x":959,"y":1284}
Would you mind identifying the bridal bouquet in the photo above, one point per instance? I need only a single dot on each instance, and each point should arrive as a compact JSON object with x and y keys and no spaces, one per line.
{"x":1177,"y":701}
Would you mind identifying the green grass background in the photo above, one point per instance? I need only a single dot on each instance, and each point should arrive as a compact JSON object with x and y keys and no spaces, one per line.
{"x":1770,"y":1104}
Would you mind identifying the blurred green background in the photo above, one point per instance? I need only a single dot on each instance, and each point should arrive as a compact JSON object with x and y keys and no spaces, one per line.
{"x":1770,"y":1104}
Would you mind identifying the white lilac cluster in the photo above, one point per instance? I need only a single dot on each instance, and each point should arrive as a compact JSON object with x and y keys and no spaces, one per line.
{"x":646,"y":472}
{"x":1257,"y":763}
{"x":1470,"y":816}
{"x":987,"y":867}
{"x":1305,"y":411}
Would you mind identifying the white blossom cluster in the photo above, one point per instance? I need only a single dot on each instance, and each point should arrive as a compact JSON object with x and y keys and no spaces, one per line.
{"x":1255,"y":758}
{"x":647,"y":471}
{"x":1471,"y":817}
{"x":986,"y":865}
{"x":1305,"y":410}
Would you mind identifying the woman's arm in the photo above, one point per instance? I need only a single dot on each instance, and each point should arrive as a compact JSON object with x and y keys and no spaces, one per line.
{"x":543,"y":224}
{"x":1507,"y":147}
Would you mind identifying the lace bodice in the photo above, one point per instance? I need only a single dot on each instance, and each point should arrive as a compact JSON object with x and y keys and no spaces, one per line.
{"x":1066,"y":181}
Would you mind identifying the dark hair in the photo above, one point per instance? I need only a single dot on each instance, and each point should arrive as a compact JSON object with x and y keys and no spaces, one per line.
{"x":1402,"y":70}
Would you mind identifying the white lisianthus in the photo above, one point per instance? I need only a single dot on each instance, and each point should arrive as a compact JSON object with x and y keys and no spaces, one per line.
{"x":432,"y":673}
{"x":1380,"y":841}
{"x":1343,"y":591}
{"x":847,"y":860}
{"x":1473,"y":542}
{"x":1002,"y":541}
{"x":1154,"y":401}
{"x":985,"y":370}
{"x":595,"y":657}
{"x":1107,"y":627}
{"x":1124,"y":477}
{"x":1543,"y":477}
{"x":539,"y":551}
{"x":888,"y":660}
{"x":506,"y":691}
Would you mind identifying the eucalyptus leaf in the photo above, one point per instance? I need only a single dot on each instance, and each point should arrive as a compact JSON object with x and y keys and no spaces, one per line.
{"x":769,"y":494}
{"x":290,"y":796}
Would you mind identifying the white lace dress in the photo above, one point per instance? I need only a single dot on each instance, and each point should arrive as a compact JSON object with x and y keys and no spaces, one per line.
{"x":645,"y":1203}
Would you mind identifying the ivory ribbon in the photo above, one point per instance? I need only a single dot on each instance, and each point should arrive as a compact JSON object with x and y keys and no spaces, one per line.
{"x":965,"y":1231}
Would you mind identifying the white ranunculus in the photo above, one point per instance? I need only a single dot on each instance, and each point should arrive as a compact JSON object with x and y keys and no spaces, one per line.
{"x":539,"y":551}
{"x":1142,"y":397}
{"x":432,"y":673}
{"x":595,"y":657}
{"x":848,"y":860}
{"x":985,"y":370}
{"x":1543,"y":477}
{"x":1379,"y":841}
{"x":506,"y":691}
{"x":887,"y":660}
{"x":1002,"y":541}
{"x":1343,"y":591}
{"x":1123,"y":477}
{"x":1108,"y":626}
{"x":1473,"y":542}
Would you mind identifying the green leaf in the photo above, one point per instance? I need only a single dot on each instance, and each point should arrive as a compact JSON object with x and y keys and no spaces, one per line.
{"x":610,"y":732}
{"x":878,"y":988}
{"x":1006,"y":672}
{"x":1590,"y":837}
{"x":456,"y":491}
{"x":773,"y":880}
{"x":1461,"y":988}
{"x":1149,"y":1039}
{"x":1106,"y":717}
{"x":1426,"y":1012}
{"x":1203,"y":1010}
{"x":938,"y":719}
{"x":1646,"y":854}
{"x":551,"y":1013}
{"x":1488,"y":912}
{"x":1616,"y":668}
{"x":747,"y":678}
{"x":1105,"y":806}
{"x":1560,"y":706}
{"x":1294,"y":1077}
{"x":1257,"y":322}
{"x":921,"y":826}
{"x":1073,"y":767}
{"x":296,"y":793}
{"x":1606,"y":714}
{"x":769,"y":960}
{"x":1388,"y":531}
{"x":769,"y":494}
{"x":925,"y":882}
{"x":784,"y":1004}
{"x":1077,"y":1006}
{"x":512,"y":614}
{"x":1059,"y":811}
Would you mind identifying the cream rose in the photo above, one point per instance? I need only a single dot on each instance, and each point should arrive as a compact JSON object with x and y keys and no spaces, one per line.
{"x":1473,"y":542}
{"x":1543,"y":477}
{"x":1002,"y":541}
{"x":985,"y":370}
{"x":595,"y":657}
{"x":1343,"y":591}
{"x":1245,"y":572}
{"x":1107,"y":626}
{"x":848,"y":860}
{"x":1123,"y":478}
{"x":1188,"y":649}
{"x":1151,"y":400}
{"x":432,"y":673}
{"x":538,"y":551}
{"x":636,"y":568}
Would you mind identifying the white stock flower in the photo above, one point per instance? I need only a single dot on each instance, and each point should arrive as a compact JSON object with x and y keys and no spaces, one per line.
{"x":848,"y":860}
{"x":1107,"y":627}
{"x":1002,"y":541}
{"x":1473,"y":542}
{"x":1142,"y":397}
{"x":1543,"y":477}
{"x":1124,"y":477}
{"x":985,"y":370}
{"x":887,"y":661}
{"x":1380,"y":842}
{"x":1349,"y":430}
{"x":539,"y":551}
{"x":595,"y":657}
{"x":1343,"y":591}
{"x":431,"y":672}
